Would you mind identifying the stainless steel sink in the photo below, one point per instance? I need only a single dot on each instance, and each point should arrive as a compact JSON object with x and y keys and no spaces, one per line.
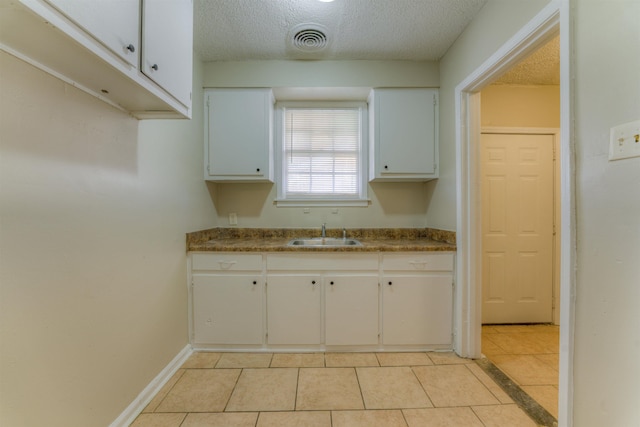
{"x":324,"y":242}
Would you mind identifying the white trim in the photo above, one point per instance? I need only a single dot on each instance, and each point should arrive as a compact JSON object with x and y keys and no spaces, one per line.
{"x":567,"y":220}
{"x":142,"y":400}
{"x":554,"y":18}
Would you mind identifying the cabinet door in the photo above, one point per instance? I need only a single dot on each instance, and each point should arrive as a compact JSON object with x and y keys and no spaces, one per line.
{"x":227,"y":309}
{"x":351,"y":310}
{"x":293,"y":309}
{"x":167,"y":45}
{"x":239,"y":134}
{"x":405,"y":134}
{"x":114,"y":23}
{"x":417,"y":309}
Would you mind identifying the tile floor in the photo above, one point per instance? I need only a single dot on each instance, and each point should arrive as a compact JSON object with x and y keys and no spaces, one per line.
{"x":528,"y":354}
{"x":331,"y":390}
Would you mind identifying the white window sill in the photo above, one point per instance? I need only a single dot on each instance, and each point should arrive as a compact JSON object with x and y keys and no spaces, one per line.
{"x":296,"y":203}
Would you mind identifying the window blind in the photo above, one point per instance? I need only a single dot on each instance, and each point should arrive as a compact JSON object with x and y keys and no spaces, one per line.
{"x":322,"y":152}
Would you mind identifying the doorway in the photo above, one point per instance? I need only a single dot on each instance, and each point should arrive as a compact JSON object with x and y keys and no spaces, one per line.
{"x":552,"y":20}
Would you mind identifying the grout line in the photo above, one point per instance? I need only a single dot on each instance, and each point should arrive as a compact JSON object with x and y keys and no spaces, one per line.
{"x":532,"y":408}
{"x":295,"y":403}
{"x":364,"y":404}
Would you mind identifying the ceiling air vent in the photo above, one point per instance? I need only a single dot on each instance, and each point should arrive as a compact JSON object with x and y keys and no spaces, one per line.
{"x":309,"y":37}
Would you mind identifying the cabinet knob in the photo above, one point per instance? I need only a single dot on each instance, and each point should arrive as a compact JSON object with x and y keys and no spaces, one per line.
{"x":255,"y":282}
{"x":258,"y":170}
{"x":386,"y":167}
{"x":131,"y":48}
{"x":155,"y":67}
{"x":313,"y":282}
{"x":390,"y":283}
{"x":331,"y":283}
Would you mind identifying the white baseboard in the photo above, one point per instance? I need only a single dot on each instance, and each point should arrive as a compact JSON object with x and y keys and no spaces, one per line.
{"x":142,"y":400}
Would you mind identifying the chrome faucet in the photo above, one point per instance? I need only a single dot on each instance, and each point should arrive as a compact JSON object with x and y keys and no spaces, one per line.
{"x":324,"y":230}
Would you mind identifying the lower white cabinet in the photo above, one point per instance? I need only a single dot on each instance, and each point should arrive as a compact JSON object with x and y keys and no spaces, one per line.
{"x":417,"y":296}
{"x":400,"y":301}
{"x":228,"y":309}
{"x":417,"y":310}
{"x":351,"y":310}
{"x":294,"y":313}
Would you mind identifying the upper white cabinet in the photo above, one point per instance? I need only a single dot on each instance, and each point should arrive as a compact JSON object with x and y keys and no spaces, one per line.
{"x":403,"y":134}
{"x":167,"y":45}
{"x":133,"y":54}
{"x":239,"y":135}
{"x":116,"y":24}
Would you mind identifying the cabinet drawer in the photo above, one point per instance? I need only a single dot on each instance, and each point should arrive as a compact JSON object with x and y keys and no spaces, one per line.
{"x":226,"y":261}
{"x":330,"y":262}
{"x":417,"y":262}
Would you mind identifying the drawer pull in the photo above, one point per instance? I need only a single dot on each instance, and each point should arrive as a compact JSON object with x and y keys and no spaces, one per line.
{"x":225,"y":265}
{"x":313,"y":282}
{"x":419,"y":264}
{"x":255,"y":282}
{"x":390,"y":283}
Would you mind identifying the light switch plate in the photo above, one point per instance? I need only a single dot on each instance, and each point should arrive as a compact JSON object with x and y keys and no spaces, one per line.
{"x":233,"y":218}
{"x":624,"y":141}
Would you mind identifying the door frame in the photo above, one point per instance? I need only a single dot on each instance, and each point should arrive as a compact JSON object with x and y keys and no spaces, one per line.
{"x":551,"y":20}
{"x":557,"y":229}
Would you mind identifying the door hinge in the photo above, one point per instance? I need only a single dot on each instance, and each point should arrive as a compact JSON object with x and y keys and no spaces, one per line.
{"x":435,"y":100}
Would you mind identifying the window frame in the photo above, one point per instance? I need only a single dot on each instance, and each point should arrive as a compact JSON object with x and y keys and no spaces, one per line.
{"x":281,"y":199}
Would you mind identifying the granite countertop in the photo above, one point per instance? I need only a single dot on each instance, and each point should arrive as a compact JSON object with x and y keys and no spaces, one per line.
{"x":276,"y":239}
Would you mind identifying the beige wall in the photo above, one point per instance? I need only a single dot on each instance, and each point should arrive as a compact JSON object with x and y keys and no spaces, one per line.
{"x":497,"y":21}
{"x":607,"y":93}
{"x":321,"y":74}
{"x":94,"y":207}
{"x":520,"y":106}
{"x":392,"y":204}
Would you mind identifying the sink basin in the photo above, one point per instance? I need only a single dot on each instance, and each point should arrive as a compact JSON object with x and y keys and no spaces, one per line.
{"x":324,"y":242}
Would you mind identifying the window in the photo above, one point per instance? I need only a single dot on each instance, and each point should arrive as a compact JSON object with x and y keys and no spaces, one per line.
{"x":322,"y":154}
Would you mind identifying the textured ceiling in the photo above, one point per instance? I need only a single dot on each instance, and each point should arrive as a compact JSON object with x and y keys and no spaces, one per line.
{"x":227,"y":30}
{"x":232,"y":30}
{"x":542,"y":67}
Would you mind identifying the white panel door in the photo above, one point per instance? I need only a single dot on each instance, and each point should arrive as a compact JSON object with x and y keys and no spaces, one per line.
{"x":294,"y":309}
{"x":227,"y":309}
{"x":517,"y":228}
{"x":351,"y":310}
{"x":114,"y":23}
{"x":417,"y":309}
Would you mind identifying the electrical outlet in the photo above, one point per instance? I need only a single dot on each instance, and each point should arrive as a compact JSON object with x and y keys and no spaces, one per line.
{"x":624,"y":141}
{"x":233,"y":218}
